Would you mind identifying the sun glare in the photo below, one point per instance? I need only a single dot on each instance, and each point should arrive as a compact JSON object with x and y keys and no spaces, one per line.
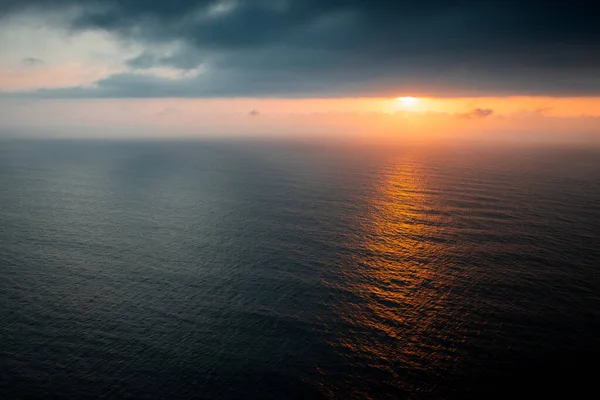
{"x":408,"y":101}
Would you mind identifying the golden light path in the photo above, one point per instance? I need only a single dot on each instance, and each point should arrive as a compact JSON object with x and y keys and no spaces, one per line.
{"x":398,"y":273}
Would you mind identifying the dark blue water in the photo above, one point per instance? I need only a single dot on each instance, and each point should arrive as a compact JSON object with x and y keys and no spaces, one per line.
{"x":261,"y":270}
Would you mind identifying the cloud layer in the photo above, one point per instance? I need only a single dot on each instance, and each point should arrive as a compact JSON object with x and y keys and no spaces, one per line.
{"x":333,"y":48}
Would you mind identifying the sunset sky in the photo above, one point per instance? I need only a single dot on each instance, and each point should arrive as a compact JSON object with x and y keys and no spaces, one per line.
{"x":216,"y":67}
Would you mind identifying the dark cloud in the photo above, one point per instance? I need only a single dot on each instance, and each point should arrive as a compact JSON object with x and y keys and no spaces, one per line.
{"x":182,"y":60}
{"x":254,"y":113}
{"x":143,"y":61}
{"x":349,"y":47}
{"x":477,"y":113}
{"x":32,"y":62}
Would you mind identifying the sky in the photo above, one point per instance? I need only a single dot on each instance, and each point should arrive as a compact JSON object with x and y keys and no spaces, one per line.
{"x":378,"y":67}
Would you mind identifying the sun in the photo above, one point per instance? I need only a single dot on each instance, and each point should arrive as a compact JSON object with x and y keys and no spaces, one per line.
{"x":408,"y":101}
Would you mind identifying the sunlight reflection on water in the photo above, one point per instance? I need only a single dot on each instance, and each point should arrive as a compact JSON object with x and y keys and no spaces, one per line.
{"x":402,"y":315}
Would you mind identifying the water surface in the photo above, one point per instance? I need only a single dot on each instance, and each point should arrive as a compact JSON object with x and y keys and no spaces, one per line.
{"x":259,"y":270}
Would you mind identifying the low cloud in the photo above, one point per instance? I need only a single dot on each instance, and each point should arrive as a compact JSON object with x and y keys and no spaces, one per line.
{"x":167,"y":111}
{"x":477,"y":113}
{"x":32,"y":62}
{"x":254,"y":113}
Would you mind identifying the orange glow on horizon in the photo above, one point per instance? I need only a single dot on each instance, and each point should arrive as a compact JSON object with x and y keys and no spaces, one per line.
{"x":372,"y":120}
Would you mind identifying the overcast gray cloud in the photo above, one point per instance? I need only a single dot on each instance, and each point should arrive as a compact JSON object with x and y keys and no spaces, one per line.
{"x":329,"y":48}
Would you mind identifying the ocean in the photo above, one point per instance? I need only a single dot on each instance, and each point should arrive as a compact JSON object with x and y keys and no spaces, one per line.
{"x":274,"y":270}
